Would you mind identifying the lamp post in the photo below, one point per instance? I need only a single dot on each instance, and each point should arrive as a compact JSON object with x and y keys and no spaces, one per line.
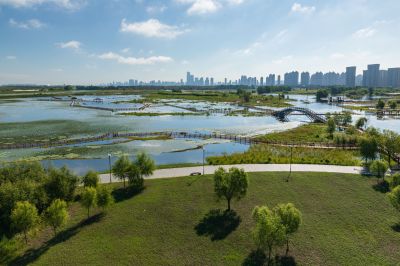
{"x":204,"y":151}
{"x":109,"y":164}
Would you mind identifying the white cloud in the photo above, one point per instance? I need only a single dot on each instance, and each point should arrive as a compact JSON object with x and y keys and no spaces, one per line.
{"x":74,"y":45}
{"x":337,"y":56}
{"x":125,"y":50}
{"x":298,"y":8}
{"x":250,"y":49}
{"x":365,"y":32}
{"x":67,"y":4}
{"x":200,"y":7}
{"x":135,"y":61}
{"x":283,"y":60}
{"x":152,"y":28}
{"x":29,"y":24}
{"x":11,"y":57}
{"x":156,"y":9}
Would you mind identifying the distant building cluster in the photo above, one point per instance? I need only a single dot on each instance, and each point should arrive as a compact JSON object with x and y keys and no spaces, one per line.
{"x":372,"y":77}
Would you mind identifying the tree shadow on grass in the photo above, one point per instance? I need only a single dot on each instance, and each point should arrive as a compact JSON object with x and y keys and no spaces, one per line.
{"x":122,"y":194}
{"x":382,"y":186}
{"x":396,"y":227}
{"x":218,"y":224}
{"x":259,"y":258}
{"x":33,"y":254}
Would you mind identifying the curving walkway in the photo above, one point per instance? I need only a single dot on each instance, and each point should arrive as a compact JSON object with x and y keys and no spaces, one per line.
{"x":209,"y":169}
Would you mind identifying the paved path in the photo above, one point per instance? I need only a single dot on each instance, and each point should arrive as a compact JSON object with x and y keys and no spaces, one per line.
{"x":209,"y":169}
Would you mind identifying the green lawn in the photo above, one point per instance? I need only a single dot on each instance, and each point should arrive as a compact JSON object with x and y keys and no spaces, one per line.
{"x":304,"y":133}
{"x":345,"y":222}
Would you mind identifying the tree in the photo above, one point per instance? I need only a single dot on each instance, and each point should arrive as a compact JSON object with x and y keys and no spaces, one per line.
{"x":24,"y":217}
{"x":393,"y":105}
{"x":269,"y":231}
{"x":91,"y":179}
{"x":395,"y":181}
{"x":56,"y":215}
{"x":331,"y":127}
{"x":61,"y":184}
{"x":346,"y":118}
{"x":104,"y":197}
{"x":229,"y":185}
{"x":394,"y":197}
{"x":120,"y":168}
{"x":390,"y":144}
{"x":379,"y":168}
{"x":361,"y":122}
{"x":368,"y":148}
{"x":135,"y":177}
{"x":89,"y":199}
{"x":380,"y":105}
{"x":145,"y":164}
{"x":322,"y":94}
{"x":290,"y":218}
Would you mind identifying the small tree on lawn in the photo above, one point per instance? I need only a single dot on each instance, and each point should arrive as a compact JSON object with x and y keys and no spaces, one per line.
{"x":381,"y":104}
{"x":89,"y":199}
{"x":368,"y":148}
{"x":361,"y":122}
{"x":135,"y":177}
{"x":104,"y":197}
{"x":24,"y":217}
{"x":290,"y":218}
{"x":269,"y":232}
{"x":379,"y":168}
{"x":56,"y":215}
{"x":120,"y":168}
{"x":229,"y":185}
{"x":331,"y":127}
{"x":91,"y":179}
{"x":145,"y":164}
{"x":394,"y":197}
{"x":393,"y":105}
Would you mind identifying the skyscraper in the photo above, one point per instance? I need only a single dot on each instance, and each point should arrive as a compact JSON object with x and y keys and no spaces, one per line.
{"x":351,"y":76}
{"x":261,"y":81}
{"x":394,"y":77}
{"x":292,"y":78}
{"x":279,"y":80}
{"x":373,"y":75}
{"x":305,"y":79}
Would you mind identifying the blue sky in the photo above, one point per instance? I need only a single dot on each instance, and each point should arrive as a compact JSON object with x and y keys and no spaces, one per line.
{"x":96,"y":41}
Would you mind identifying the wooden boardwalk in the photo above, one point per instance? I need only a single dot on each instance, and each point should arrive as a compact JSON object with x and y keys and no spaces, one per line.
{"x":175,"y":135}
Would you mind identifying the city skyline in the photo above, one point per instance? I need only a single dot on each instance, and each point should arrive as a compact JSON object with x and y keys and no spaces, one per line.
{"x":66,"y":42}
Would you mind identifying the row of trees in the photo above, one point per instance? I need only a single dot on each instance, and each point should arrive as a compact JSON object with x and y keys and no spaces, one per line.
{"x":273,"y":227}
{"x":381,"y":104}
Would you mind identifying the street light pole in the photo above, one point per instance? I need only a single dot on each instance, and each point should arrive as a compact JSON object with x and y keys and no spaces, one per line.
{"x":109,"y":164}
{"x":203,"y":157}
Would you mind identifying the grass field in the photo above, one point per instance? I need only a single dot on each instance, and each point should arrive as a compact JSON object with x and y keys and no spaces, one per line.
{"x":305,"y":133}
{"x":345,"y":222}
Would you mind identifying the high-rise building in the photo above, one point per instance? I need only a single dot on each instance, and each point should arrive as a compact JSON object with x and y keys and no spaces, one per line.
{"x":292,"y":78}
{"x":394,"y":77}
{"x":212,"y":81}
{"x":365,"y":78}
{"x":305,"y":79}
{"x":262,"y":81}
{"x":317,"y":79}
{"x":383,"y":78}
{"x":351,"y":76}
{"x":279,"y":80}
{"x":373,"y":75}
{"x":359,"y":80}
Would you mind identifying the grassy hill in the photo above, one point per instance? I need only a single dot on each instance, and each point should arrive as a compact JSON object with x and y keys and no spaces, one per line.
{"x":345,"y":222}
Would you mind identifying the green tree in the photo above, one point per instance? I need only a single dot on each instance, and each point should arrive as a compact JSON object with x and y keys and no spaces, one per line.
{"x":89,"y":199}
{"x":368,"y":148}
{"x":346,"y":118}
{"x":61,"y":184}
{"x":331,"y":127}
{"x":56,"y":215}
{"x":379,"y":168}
{"x":135,"y":177}
{"x":24,"y":217}
{"x":393,"y":104}
{"x":120,"y":168}
{"x":104,"y":197}
{"x":91,"y":179}
{"x":230,"y":185}
{"x":269,"y":232}
{"x":361,"y":122}
{"x":390,"y":144}
{"x":290,"y":218}
{"x":321,"y":94}
{"x":395,"y":181}
{"x":394,"y":197}
{"x":145,"y":164}
{"x":380,"y":105}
